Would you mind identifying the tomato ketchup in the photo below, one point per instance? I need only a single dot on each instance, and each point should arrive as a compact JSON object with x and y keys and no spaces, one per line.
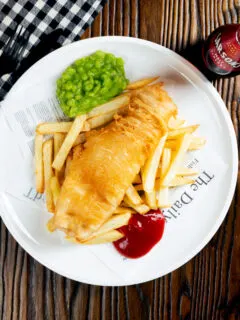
{"x":141,"y":234}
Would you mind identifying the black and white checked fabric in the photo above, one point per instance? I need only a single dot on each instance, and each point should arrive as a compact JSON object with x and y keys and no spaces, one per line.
{"x":44,"y":16}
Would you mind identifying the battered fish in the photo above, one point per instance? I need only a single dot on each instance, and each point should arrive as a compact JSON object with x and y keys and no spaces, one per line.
{"x":100,"y":174}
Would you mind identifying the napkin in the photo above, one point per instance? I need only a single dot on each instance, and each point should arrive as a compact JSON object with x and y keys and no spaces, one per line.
{"x":43,"y":16}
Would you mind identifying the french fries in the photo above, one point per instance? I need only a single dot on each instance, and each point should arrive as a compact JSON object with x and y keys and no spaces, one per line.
{"x":58,"y":127}
{"x":181,"y":178}
{"x":151,"y":199}
{"x":110,"y":236}
{"x":177,"y":160}
{"x":181,"y":131}
{"x":186,"y":172}
{"x":120,"y":210}
{"x":175,"y":123}
{"x":140,"y":83}
{"x":133,"y":196}
{"x":180,"y":181}
{"x":115,"y":222}
{"x":140,"y":208}
{"x":58,"y":139}
{"x":196,"y":143}
{"x":50,"y":225}
{"x":162,"y":192}
{"x":166,"y":159}
{"x":39,"y":163}
{"x":101,"y":119}
{"x":53,"y":127}
{"x":68,"y":142}
{"x":55,"y":189}
{"x":111,"y":106}
{"x":149,"y":170}
{"x":48,"y":172}
{"x":81,"y":138}
{"x":163,"y":197}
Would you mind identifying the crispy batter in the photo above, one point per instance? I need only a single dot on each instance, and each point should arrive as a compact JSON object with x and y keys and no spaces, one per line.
{"x":99,"y":177}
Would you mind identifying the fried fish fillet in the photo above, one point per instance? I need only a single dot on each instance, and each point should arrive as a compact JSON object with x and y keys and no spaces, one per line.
{"x":101,"y":173}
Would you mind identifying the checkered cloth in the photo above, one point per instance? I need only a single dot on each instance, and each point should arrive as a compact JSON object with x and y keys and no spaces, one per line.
{"x":44,"y":16}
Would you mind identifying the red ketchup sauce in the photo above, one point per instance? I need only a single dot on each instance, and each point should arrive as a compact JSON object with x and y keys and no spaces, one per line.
{"x":141,"y":234}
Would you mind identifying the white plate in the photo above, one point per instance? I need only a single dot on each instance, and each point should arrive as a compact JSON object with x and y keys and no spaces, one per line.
{"x":193,"y":227}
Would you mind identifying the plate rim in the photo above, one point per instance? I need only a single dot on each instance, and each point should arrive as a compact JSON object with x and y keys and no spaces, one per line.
{"x":234,"y":172}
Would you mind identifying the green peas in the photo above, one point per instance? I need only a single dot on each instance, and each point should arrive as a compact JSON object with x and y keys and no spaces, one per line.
{"x":90,"y":81}
{"x":84,"y":77}
{"x":98,"y":64}
{"x":80,"y":69}
{"x":99,"y":54}
{"x":68,"y":86}
{"x":71,"y":103}
{"x":88,"y":86}
{"x":68,"y":95}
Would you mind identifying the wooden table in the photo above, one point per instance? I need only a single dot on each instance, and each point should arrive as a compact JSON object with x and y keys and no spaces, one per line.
{"x":208,"y":286}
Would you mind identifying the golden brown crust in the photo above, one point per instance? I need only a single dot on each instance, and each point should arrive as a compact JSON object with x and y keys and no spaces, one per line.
{"x":101,"y":173}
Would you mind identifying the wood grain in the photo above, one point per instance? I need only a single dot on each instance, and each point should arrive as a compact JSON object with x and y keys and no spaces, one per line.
{"x":207,"y":287}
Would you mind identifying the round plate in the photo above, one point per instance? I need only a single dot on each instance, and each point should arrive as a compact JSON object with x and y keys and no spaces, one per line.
{"x":192,"y":224}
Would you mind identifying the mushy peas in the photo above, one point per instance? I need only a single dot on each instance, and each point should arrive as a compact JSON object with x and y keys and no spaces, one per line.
{"x":89,"y":82}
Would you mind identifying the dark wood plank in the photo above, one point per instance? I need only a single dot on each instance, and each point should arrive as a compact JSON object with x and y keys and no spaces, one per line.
{"x":208,"y":286}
